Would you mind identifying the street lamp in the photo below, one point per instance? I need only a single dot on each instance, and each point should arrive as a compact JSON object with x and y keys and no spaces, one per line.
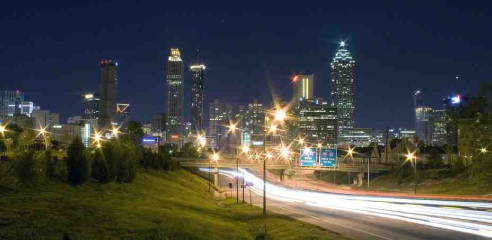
{"x":2,"y":129}
{"x":285,"y":152}
{"x":245,"y":151}
{"x":268,"y":156}
{"x":114,"y":132}
{"x":97,"y":137}
{"x":411,"y":156}
{"x":232,"y":128}
{"x":483,"y":150}
{"x":280,"y":115}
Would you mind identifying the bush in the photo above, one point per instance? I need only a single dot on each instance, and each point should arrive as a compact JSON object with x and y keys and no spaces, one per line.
{"x":148,"y":157}
{"x":99,"y":167}
{"x":78,"y":166}
{"x":165,"y":161}
{"x":24,"y":169}
{"x":156,"y":162}
{"x":48,"y":166}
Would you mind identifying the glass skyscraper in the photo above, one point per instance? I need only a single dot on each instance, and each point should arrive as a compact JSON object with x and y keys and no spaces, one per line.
{"x":174,"y":96}
{"x":197,"y":75}
{"x":342,"y":93}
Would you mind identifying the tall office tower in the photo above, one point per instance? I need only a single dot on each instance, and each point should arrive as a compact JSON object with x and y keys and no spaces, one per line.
{"x":454,"y":106}
{"x":197,"y":75}
{"x":26,"y":108}
{"x":424,"y":126}
{"x":439,"y":120}
{"x":158,"y":122}
{"x":303,"y":87}
{"x":45,"y":119}
{"x":342,"y":81}
{"x":219,"y":114}
{"x":10,"y":103}
{"x":91,"y":102}
{"x":108,"y":91}
{"x":318,"y":122}
{"x":122,"y":115}
{"x":240,"y":117}
{"x":255,"y":117}
{"x":174,"y":96}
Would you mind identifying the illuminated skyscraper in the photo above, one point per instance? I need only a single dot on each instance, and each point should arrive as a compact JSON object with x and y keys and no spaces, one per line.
{"x":10,"y":103}
{"x":197,"y":75}
{"x":303,"y":87}
{"x":174,"y":96}
{"x":342,"y":81}
{"x":107,"y":89}
{"x":91,"y":111}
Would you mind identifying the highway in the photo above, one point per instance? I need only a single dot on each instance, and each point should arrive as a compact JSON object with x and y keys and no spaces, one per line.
{"x":366,"y":217}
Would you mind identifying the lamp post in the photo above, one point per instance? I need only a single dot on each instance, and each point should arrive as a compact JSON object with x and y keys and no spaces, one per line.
{"x":279,"y":116}
{"x":232,"y":128}
{"x":411,"y":156}
{"x":415,"y":94}
{"x":245,"y":150}
{"x":2,"y":132}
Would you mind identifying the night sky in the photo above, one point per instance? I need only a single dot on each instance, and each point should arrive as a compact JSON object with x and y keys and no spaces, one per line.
{"x":50,"y":51}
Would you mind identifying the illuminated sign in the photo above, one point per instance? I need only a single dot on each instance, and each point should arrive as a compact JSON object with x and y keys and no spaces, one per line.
{"x":308,"y":157}
{"x":327,"y":157}
{"x":256,"y":143}
{"x":456,"y":99}
{"x":149,"y":140}
{"x":174,"y":136}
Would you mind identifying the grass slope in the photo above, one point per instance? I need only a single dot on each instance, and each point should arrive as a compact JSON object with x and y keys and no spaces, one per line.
{"x":156,"y":206}
{"x":430,"y":184}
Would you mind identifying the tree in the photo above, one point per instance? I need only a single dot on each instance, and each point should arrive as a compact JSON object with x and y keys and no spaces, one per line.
{"x":77,"y":163}
{"x":135,"y":131}
{"x":189,"y":150}
{"x":435,"y":159}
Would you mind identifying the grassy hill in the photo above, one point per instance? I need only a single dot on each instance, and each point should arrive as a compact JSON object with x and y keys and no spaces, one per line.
{"x":156,"y":206}
{"x":439,"y":182}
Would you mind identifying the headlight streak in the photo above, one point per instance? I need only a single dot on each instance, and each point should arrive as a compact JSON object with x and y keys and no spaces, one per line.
{"x":418,"y":211}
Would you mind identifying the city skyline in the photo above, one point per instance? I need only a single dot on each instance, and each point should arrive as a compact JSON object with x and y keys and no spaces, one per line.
{"x":390,"y":66}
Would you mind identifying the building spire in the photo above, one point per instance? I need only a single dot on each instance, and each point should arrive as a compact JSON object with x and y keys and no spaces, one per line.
{"x":198,"y":56}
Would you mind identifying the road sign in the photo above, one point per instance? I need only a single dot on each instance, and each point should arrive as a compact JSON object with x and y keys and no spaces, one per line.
{"x":308,"y":157}
{"x":230,"y":185}
{"x":327,"y":157}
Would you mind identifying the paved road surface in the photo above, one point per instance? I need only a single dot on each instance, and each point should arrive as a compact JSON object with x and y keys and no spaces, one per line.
{"x":374,"y":217}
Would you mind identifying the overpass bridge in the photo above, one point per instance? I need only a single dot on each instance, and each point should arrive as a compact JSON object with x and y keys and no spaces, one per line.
{"x":248,"y":163}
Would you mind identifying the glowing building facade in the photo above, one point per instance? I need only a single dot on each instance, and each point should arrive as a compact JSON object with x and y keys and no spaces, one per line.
{"x":197,"y":76}
{"x":303,"y":87}
{"x":174,"y":96}
{"x":342,"y":81}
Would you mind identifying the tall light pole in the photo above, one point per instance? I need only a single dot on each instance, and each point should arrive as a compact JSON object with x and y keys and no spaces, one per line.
{"x":232,"y":129}
{"x":245,"y":150}
{"x":411,"y":156}
{"x":415,"y":94}
{"x":280,"y":115}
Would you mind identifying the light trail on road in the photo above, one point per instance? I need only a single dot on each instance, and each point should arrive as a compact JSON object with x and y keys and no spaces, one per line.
{"x":434,"y":213}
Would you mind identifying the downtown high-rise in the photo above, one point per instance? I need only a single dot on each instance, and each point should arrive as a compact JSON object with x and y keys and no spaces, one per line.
{"x":303,"y":87}
{"x":197,"y":77}
{"x":107,"y":91}
{"x":174,"y":96}
{"x":342,"y":81}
